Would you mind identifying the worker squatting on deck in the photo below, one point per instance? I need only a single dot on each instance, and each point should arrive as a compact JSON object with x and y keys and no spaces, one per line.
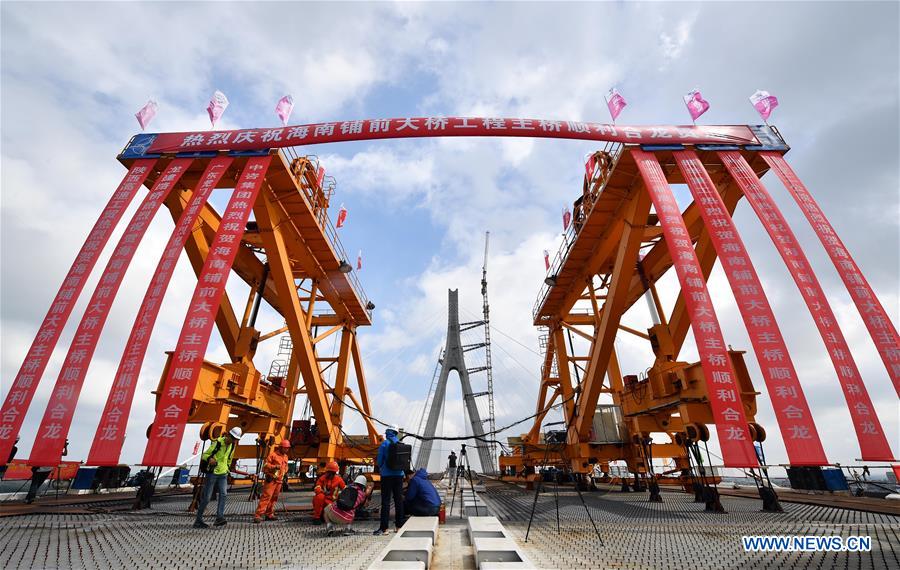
{"x":327,"y":489}
{"x":340,"y":514}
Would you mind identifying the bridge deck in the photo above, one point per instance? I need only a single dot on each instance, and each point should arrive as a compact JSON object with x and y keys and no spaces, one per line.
{"x":636,"y":535}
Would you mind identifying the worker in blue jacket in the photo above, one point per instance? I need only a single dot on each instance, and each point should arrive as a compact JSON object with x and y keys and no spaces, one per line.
{"x":391,"y":483}
{"x":422,"y":499}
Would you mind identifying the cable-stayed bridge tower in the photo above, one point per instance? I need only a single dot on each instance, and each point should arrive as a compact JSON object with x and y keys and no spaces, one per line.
{"x":454,"y":359}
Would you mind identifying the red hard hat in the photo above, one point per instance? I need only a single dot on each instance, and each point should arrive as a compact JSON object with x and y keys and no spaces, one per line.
{"x":332,"y":466}
{"x":285,"y":444}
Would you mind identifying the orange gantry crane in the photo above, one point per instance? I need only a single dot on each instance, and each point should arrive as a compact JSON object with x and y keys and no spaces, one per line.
{"x":626,"y":233}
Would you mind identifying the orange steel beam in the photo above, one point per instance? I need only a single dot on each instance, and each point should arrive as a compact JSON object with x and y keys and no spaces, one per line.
{"x":370,"y":426}
{"x":361,"y":381}
{"x":562,"y":373}
{"x":635,"y":217}
{"x":340,"y":381}
{"x":270,"y":221}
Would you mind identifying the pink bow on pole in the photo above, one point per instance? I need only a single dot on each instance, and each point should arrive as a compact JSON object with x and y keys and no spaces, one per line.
{"x":615,"y":102}
{"x":146,"y":114}
{"x":217,"y":105}
{"x":764,"y":103}
{"x":696,"y":104}
{"x":284,"y":108}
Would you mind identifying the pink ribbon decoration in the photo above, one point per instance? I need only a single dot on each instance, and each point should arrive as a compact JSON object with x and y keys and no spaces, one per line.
{"x":284,"y":108}
{"x":696,"y":104}
{"x":764,"y":103}
{"x":615,"y":102}
{"x":342,"y":217}
{"x":146,"y":114}
{"x":217,"y":105}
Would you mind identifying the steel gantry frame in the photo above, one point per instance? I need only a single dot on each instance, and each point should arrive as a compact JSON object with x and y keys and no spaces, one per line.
{"x":615,"y":251}
{"x":291,"y":258}
{"x":614,"y":254}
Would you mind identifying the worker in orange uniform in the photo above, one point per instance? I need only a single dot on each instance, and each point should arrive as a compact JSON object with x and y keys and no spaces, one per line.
{"x":327,"y":489}
{"x":274,"y":470}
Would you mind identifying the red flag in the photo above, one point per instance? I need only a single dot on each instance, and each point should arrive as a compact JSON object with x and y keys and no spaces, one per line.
{"x":320,"y":175}
{"x":589,"y":167}
{"x":359,"y":260}
{"x":547,"y":259}
{"x":342,"y":217}
{"x":567,"y":218}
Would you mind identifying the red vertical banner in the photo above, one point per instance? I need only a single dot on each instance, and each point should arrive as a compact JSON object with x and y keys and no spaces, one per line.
{"x":722,"y":387}
{"x":798,"y":431}
{"x":24,"y":386}
{"x":872,"y":441}
{"x":178,"y":388}
{"x":54,"y":427}
{"x":876,"y":319}
{"x":107,"y":445}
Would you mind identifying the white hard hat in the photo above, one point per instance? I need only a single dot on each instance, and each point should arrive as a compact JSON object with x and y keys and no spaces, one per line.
{"x":361,"y":480}
{"x":236,"y":432}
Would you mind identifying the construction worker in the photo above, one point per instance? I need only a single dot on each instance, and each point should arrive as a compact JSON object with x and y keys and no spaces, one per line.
{"x":327,"y":488}
{"x":422,"y":499}
{"x":391,"y":483}
{"x":218,"y":458}
{"x":274,"y":470}
{"x":340,"y":514}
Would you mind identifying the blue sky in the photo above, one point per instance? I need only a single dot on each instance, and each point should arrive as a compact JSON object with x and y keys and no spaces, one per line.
{"x":73,"y":75}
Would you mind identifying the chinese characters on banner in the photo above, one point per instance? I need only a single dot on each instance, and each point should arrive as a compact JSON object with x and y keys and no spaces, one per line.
{"x":801,"y":439}
{"x":107,"y":444}
{"x":872,"y":441}
{"x":259,"y":139}
{"x":54,"y":427}
{"x":181,"y":379}
{"x":876,"y":319}
{"x":19,"y":397}
{"x":722,"y":386}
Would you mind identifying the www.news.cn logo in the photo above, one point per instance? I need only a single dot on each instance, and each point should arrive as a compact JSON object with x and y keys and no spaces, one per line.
{"x":806,"y":543}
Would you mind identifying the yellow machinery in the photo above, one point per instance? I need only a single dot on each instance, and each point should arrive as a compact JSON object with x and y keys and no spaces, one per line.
{"x":611,"y":257}
{"x":304,"y":278}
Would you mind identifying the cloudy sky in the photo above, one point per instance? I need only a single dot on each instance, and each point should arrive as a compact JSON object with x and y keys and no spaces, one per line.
{"x":74,"y":74}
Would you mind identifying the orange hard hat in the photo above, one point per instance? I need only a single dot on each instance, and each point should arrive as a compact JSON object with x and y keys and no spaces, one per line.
{"x":332,"y":466}
{"x":285,"y":444}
